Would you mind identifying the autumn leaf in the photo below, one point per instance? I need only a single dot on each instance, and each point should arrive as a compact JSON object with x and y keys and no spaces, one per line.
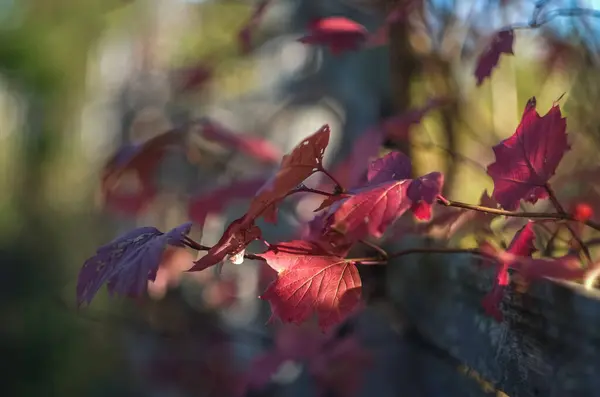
{"x":141,"y":161}
{"x":501,"y":43}
{"x":339,"y":34}
{"x":393,"y":166}
{"x":216,"y":200}
{"x":127,"y":263}
{"x":233,"y":242}
{"x":529,"y":158}
{"x":255,"y":147}
{"x":311,"y":280}
{"x":304,"y":160}
{"x":245,"y":34}
{"x":370,"y":210}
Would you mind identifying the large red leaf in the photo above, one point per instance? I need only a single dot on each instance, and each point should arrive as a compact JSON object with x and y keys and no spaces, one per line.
{"x":127,"y":263}
{"x":529,"y":158}
{"x":218,"y":199}
{"x":338,"y":33}
{"x":311,"y":280}
{"x":234,"y":241}
{"x":501,"y":43}
{"x":304,"y":160}
{"x":256,"y":147}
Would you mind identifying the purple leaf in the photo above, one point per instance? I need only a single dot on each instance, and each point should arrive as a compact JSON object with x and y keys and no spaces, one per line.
{"x":529,"y":158}
{"x":127,"y":263}
{"x":502,"y":43}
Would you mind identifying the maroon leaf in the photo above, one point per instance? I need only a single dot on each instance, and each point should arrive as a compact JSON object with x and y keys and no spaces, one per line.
{"x":127,"y":263}
{"x":304,"y":160}
{"x":258,"y":148}
{"x":338,"y":33}
{"x":528,"y":159}
{"x":234,"y":241}
{"x":522,"y":245}
{"x":423,"y":192}
{"x":311,"y":280}
{"x":501,"y":43}
{"x":217,"y":200}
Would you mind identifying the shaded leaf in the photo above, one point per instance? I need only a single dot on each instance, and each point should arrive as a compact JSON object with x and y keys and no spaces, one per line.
{"x":234,"y":241}
{"x":392,"y":167}
{"x":311,"y":280}
{"x":528,"y":159}
{"x":339,"y":34}
{"x":501,"y":43}
{"x":127,"y":263}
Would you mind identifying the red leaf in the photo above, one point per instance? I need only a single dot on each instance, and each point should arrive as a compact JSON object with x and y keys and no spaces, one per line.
{"x":218,"y":199}
{"x":311,"y":280}
{"x":142,"y":161}
{"x":501,"y":43}
{"x":331,"y":200}
{"x":338,"y":33}
{"x":245,"y":34}
{"x":341,"y":368}
{"x":127,"y":263}
{"x":528,"y":159}
{"x":305,"y":159}
{"x":234,"y":241}
{"x":392,"y":167}
{"x":370,"y":210}
{"x":258,"y":148}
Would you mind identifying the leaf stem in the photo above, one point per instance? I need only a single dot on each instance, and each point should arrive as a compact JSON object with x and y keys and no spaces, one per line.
{"x":305,"y":189}
{"x":339,"y":188}
{"x":189,"y":242}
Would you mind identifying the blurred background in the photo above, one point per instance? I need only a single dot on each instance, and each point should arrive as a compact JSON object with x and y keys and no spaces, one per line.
{"x":83,"y":80}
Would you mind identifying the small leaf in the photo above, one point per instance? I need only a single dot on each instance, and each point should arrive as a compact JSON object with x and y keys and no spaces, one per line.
{"x":501,"y":43}
{"x":304,"y":160}
{"x":529,"y":158}
{"x":127,"y":263}
{"x":339,"y":34}
{"x":311,"y":280}
{"x":392,"y":167}
{"x":255,"y":147}
{"x":235,"y":239}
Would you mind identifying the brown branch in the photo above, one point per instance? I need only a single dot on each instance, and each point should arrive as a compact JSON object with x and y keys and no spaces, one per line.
{"x":339,"y":188}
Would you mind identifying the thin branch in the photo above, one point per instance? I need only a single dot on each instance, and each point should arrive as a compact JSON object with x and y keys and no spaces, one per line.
{"x":515,"y":214}
{"x":430,"y":250}
{"x":188,"y":242}
{"x":380,"y":251}
{"x":574,"y":234}
{"x":339,"y":187}
{"x":305,"y":189}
